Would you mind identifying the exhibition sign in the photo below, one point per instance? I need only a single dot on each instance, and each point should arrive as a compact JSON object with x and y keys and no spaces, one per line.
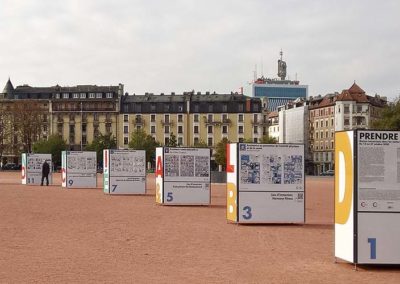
{"x":31,"y":168}
{"x":78,"y":169}
{"x":367,"y":196}
{"x":265,"y":183}
{"x":183,"y":176}
{"x":124,"y":171}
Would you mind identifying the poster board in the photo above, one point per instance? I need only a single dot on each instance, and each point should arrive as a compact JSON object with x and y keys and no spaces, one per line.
{"x":31,"y":168}
{"x":265,"y":183}
{"x":183,"y":176}
{"x":367,"y":196}
{"x":124,"y":171}
{"x":78,"y":169}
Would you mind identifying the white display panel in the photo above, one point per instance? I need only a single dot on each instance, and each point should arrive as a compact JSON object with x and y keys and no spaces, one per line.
{"x":183,"y":176}
{"x":379,"y":171}
{"x":265,"y":183}
{"x":367,"y":195}
{"x":34,"y":163}
{"x":124,"y":171}
{"x":80,"y":169}
{"x":378,"y":238}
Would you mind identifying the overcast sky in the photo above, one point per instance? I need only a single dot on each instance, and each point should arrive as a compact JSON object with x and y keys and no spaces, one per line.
{"x":164,"y":46}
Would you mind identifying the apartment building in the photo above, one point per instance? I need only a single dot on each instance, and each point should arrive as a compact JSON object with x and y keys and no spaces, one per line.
{"x":192,"y":117}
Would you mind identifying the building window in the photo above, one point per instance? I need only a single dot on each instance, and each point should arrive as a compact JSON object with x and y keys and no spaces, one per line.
{"x":240,"y":129}
{"x":196,"y":140}
{"x":65,"y":96}
{"x":255,"y":129}
{"x":180,"y":118}
{"x":75,"y":95}
{"x":57,"y":96}
{"x":166,"y":129}
{"x":84,"y":127}
{"x":210,"y":118}
{"x":91,"y":95}
{"x":196,"y":129}
{"x":153,"y":118}
{"x":166,"y":107}
{"x":166,"y":140}
{"x":180,"y":108}
{"x":180,"y":129}
{"x":346,"y":109}
{"x":180,"y":141}
{"x":346,"y":121}
{"x":241,"y":140}
{"x":332,"y":122}
{"x":126,"y":129}
{"x":332,"y":145}
{"x":153,"y":129}
{"x":166,"y":118}
{"x":224,"y":108}
{"x":109,"y":95}
{"x":99,"y":95}
{"x":240,"y":118}
{"x":126,"y":118}
{"x":224,"y":129}
{"x":83,"y":95}
{"x":322,"y":134}
{"x":316,"y":124}
{"x":255,"y":118}
{"x":240,"y":107}
{"x":224,"y":118}
{"x":96,"y":117}
{"x":125,"y":140}
{"x":196,"y":118}
{"x":210,"y":141}
{"x":316,"y":134}
{"x":255,"y":140}
{"x":210,"y":129}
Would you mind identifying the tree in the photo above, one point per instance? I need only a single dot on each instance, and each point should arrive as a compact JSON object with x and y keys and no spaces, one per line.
{"x":141,"y":141}
{"x":54,"y":145}
{"x":172,"y":140}
{"x":220,"y":152}
{"x":100,"y":143}
{"x":390,"y":117}
{"x":5,"y":133}
{"x":200,"y":144}
{"x":266,"y":139}
{"x":28,"y":120}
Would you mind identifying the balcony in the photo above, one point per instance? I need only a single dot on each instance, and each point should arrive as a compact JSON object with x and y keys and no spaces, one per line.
{"x":139,"y":121}
{"x":167,"y":122}
{"x":260,"y":122}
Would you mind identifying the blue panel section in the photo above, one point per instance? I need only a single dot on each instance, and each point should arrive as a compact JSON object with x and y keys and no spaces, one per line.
{"x":282,"y":92}
{"x":274,"y":103}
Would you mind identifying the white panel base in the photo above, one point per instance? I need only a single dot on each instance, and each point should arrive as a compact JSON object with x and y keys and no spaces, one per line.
{"x":271,"y":207}
{"x":385,"y":229}
{"x":127,"y":185}
{"x":191,"y":193}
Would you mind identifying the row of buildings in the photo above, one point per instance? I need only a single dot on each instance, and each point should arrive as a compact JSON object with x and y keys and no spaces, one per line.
{"x":314,"y":121}
{"x":79,"y":114}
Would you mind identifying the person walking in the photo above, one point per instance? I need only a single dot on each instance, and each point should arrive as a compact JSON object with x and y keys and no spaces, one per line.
{"x":45,"y":172}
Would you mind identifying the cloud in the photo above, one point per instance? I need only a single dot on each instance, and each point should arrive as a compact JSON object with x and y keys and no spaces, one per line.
{"x":164,"y":46}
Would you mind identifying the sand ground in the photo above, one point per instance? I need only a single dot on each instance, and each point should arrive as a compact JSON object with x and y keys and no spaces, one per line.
{"x":51,"y":235}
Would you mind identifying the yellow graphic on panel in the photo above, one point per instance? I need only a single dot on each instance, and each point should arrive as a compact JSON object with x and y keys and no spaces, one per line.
{"x":231,"y":206}
{"x":344,"y":171}
{"x":158,"y":193}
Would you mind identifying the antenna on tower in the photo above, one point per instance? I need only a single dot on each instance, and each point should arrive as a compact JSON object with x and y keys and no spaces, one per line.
{"x":281,"y":54}
{"x":262,"y":67}
{"x":255,"y":73}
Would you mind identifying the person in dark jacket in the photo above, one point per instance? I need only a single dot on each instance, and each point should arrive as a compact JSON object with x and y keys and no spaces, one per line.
{"x":45,"y":172}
